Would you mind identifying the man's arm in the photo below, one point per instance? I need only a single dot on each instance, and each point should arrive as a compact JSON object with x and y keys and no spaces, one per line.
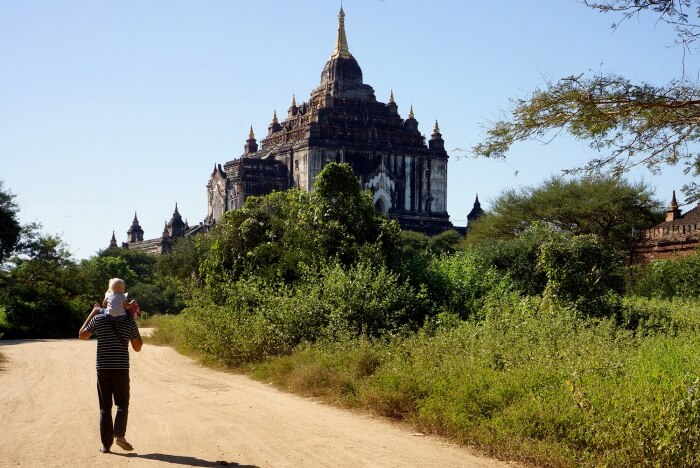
{"x":136,"y":343}
{"x":84,"y":334}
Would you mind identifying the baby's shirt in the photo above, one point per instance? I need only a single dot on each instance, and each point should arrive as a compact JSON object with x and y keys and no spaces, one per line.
{"x":115,"y":304}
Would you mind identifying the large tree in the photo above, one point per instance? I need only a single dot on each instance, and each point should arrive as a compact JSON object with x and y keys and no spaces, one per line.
{"x":631,"y":123}
{"x":10,"y":228}
{"x":608,"y":207}
{"x":284,"y":234}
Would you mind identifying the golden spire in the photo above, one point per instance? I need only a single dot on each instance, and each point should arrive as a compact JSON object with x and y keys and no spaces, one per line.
{"x":437,"y":127}
{"x":391,"y":97}
{"x":341,"y":44}
{"x":251,"y":135}
{"x":410,"y":113}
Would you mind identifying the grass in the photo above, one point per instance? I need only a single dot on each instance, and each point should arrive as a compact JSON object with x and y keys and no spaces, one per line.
{"x":532,"y":383}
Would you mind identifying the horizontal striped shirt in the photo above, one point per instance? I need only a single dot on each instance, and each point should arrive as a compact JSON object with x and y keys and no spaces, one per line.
{"x":112,"y":351}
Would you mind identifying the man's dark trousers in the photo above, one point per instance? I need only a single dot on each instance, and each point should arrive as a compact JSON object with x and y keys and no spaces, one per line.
{"x":113,"y":383}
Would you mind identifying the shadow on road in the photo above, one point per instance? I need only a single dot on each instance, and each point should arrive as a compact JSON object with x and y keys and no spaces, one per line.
{"x":183,"y":460}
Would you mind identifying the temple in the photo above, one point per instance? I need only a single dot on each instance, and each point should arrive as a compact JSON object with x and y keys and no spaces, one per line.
{"x":677,"y":236}
{"x":342,"y":121}
{"x":173,"y":229}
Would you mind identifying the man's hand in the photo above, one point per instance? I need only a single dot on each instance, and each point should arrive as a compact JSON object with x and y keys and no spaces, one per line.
{"x":83,"y":334}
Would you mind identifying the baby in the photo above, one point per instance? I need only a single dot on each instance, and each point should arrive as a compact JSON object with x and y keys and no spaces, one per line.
{"x":115,"y":303}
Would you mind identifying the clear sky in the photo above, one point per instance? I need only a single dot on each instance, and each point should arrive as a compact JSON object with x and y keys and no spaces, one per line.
{"x":113,"y":107}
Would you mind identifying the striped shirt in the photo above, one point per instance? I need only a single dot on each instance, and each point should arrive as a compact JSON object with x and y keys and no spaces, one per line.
{"x":112,"y":351}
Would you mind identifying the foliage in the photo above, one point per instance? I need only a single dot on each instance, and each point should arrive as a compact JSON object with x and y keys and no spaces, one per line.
{"x":270,"y":237}
{"x":518,"y":258}
{"x":95,"y":273}
{"x":140,"y":263}
{"x":10,"y":228}
{"x":606,"y":206}
{"x":637,"y":123}
{"x":285,"y":234}
{"x":585,"y":271}
{"x":444,"y":243}
{"x":414,"y":251}
{"x":40,"y":294}
{"x":254,"y":319}
{"x":672,"y":12}
{"x":651,"y":316}
{"x":581,"y":270}
{"x":667,"y":278}
{"x":531,"y":381}
{"x":460,"y":283}
{"x":180,"y":266}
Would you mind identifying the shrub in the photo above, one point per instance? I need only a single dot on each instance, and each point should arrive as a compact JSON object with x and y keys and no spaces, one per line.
{"x":459,"y":283}
{"x":585,"y":271}
{"x":532,"y":380}
{"x":667,"y":278}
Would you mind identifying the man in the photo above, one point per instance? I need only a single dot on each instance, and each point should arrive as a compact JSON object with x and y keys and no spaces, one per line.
{"x":113,"y":337}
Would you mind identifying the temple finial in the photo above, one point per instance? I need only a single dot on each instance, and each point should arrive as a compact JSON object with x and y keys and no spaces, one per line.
{"x":251,"y":135}
{"x":437,"y":129}
{"x":674,"y":203}
{"x":274,"y":117}
{"x":410,"y":113}
{"x":341,"y":44}
{"x":391,"y":97}
{"x":294,"y":100}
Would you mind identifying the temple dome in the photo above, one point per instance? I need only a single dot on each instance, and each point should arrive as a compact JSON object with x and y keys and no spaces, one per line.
{"x":342,"y":75}
{"x":341,"y":69}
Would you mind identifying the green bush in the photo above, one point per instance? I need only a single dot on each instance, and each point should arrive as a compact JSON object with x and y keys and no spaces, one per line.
{"x":252,"y":320}
{"x":667,"y":278}
{"x":584,"y":271}
{"x":459,"y":283}
{"x":532,"y":380}
{"x":517,"y":258}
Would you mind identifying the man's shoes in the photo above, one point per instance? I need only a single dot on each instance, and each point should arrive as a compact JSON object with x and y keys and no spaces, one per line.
{"x":123,"y":444}
{"x":103,"y":449}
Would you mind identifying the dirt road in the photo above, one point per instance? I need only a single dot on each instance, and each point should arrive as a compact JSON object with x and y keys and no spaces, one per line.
{"x":184,"y":414}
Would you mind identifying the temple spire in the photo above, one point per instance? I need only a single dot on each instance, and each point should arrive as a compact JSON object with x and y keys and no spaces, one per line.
{"x":274,"y":117}
{"x":674,"y":203}
{"x":391,"y":97}
{"x":341,"y":44}
{"x":673,"y":212}
{"x":410,"y":113}
{"x":251,"y":146}
{"x":437,"y":130}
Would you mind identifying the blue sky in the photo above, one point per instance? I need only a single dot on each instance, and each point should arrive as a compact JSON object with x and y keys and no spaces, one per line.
{"x":113,"y":107}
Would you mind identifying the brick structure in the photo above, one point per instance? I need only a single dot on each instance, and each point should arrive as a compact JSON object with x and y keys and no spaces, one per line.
{"x":173,"y":229}
{"x":677,"y":236}
{"x":343,"y":122}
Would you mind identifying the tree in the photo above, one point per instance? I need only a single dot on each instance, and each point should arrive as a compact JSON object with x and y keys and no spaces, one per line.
{"x":282,"y":235}
{"x":10,"y":228}
{"x":608,"y":207}
{"x":636,"y":123}
{"x":41,"y":296}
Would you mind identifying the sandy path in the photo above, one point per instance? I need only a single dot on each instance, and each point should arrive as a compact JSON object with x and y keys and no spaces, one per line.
{"x":184,"y":414}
